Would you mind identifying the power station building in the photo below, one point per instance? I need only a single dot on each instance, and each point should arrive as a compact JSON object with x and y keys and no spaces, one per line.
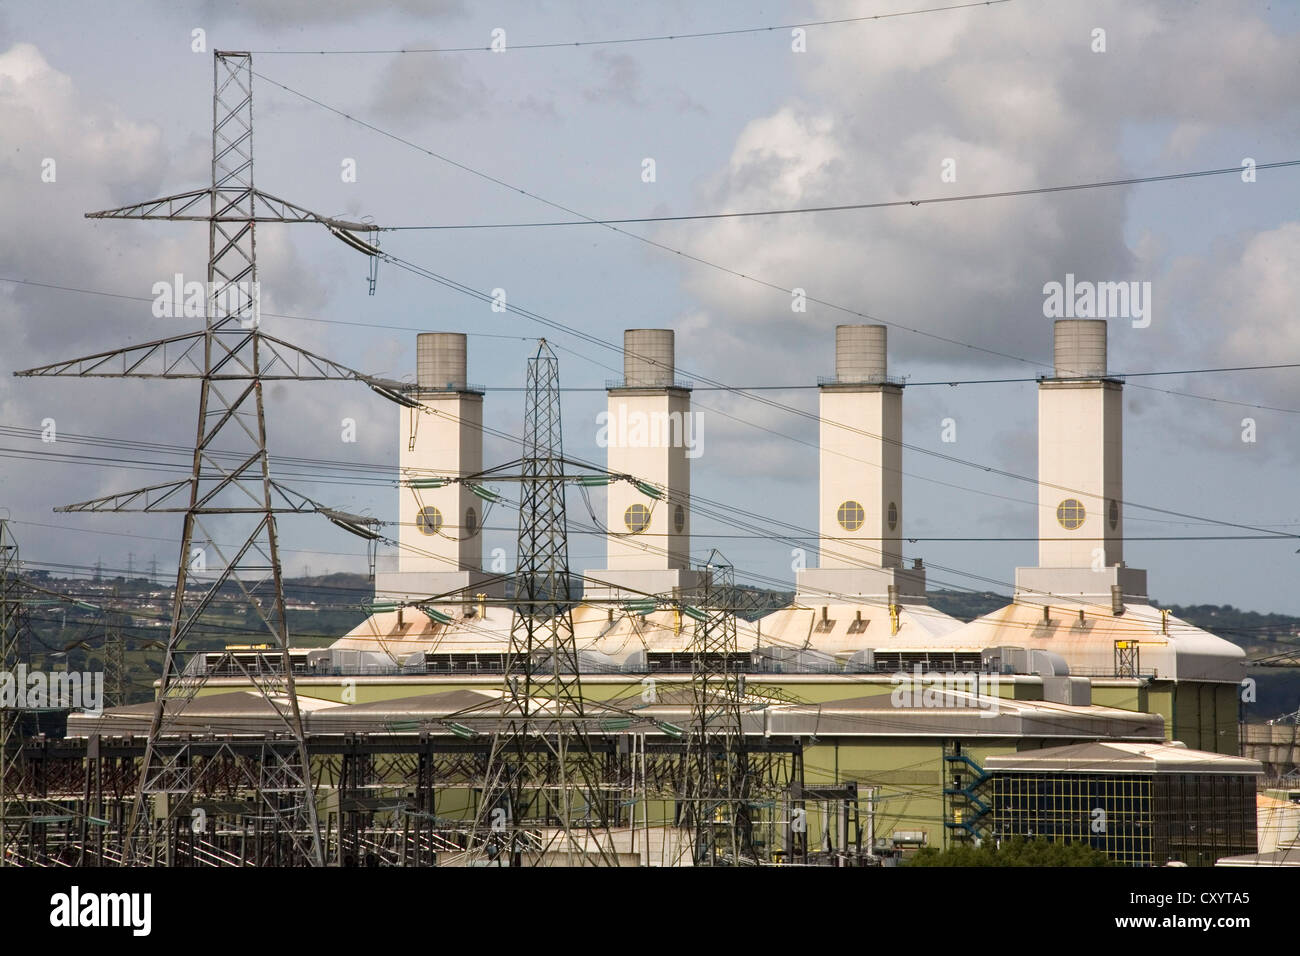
{"x":847,"y":673}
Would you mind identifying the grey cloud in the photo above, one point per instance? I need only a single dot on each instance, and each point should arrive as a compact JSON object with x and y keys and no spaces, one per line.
{"x":295,"y":13}
{"x":424,"y":87}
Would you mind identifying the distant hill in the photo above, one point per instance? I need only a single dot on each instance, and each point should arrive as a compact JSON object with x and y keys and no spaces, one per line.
{"x":324,"y":607}
{"x":967,"y":605}
{"x":1248,"y":629}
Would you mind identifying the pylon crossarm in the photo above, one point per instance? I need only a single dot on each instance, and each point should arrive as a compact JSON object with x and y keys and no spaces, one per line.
{"x":305,"y":365}
{"x":178,"y":206}
{"x":230,"y":204}
{"x":153,"y":498}
{"x":275,"y":209}
{"x":177,"y":356}
{"x":159,"y":499}
{"x":182,"y":356}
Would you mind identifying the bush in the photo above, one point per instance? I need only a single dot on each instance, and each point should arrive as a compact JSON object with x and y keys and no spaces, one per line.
{"x":1014,"y":852}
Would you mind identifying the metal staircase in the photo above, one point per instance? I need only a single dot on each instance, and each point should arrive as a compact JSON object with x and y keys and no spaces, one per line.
{"x":964,"y":809}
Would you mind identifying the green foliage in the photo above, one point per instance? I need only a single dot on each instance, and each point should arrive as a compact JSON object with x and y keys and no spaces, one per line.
{"x":1013,"y":852}
{"x":966,"y":606}
{"x":1248,"y":629}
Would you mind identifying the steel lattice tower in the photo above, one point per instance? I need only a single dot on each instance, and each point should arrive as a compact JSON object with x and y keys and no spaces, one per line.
{"x":115,"y":675}
{"x":14,"y":813}
{"x":717,"y":787}
{"x":542,"y":774}
{"x":230,"y":494}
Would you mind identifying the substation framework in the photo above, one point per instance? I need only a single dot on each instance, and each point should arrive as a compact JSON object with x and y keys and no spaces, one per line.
{"x":390,"y":799}
{"x":546,"y":784}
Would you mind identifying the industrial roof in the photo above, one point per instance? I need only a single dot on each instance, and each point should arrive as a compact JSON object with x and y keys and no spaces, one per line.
{"x":1283,"y":856}
{"x":962,"y":714}
{"x":1171,"y":649}
{"x":1121,"y":757}
{"x":843,"y":627}
{"x":1085,"y":635}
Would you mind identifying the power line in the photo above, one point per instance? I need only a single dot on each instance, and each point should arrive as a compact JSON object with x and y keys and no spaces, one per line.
{"x":276,"y":315}
{"x":712,"y":388}
{"x":595,"y":340}
{"x":316,"y":466}
{"x":644,"y":239}
{"x":734,"y":517}
{"x":690,"y":256}
{"x":601,"y":532}
{"x":696,"y":501}
{"x":846,"y":207}
{"x":653,"y":38}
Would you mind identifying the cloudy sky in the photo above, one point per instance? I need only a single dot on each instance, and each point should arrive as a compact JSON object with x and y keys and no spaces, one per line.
{"x":1017,"y":95}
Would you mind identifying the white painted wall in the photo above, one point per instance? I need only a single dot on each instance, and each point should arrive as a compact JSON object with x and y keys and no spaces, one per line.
{"x":1080,"y":447}
{"x":658,"y":456}
{"x":855,"y":466}
{"x":447,"y":442}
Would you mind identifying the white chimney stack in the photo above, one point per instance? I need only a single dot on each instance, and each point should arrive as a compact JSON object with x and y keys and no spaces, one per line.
{"x":860,"y":501}
{"x":1080,"y":474}
{"x":440,"y":533}
{"x":650,"y":433}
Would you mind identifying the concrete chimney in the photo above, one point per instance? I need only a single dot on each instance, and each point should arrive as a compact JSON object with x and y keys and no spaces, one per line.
{"x":860,"y":500}
{"x":648,"y":358}
{"x":440,"y":360}
{"x":649,"y":432}
{"x":1080,"y":474}
{"x":1080,"y":348}
{"x":861,"y":455}
{"x":860,"y":354}
{"x":441,"y":528}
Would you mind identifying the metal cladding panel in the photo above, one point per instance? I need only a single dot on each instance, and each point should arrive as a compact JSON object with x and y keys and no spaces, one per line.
{"x":648,"y":358}
{"x":860,"y":353}
{"x":1080,"y":348}
{"x":440,"y":360}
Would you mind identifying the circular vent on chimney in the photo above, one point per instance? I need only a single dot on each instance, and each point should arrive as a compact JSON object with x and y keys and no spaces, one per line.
{"x":1070,"y":513}
{"x":850,"y":515}
{"x":429,"y":520}
{"x":637,"y":518}
{"x":892,"y":516}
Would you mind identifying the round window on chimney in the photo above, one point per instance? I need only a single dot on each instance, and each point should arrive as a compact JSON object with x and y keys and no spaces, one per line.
{"x":892,"y":516}
{"x":679,"y":519}
{"x":471,"y":521}
{"x":429,"y":520}
{"x":637,"y":518}
{"x":850,"y":515}
{"x":1114,"y":514}
{"x":1070,"y":513}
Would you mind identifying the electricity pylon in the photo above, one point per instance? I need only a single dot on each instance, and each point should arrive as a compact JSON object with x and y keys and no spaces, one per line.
{"x":717,"y":773}
{"x":227,"y":497}
{"x":543,"y":785}
{"x":115,"y":675}
{"x":15,"y":815}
